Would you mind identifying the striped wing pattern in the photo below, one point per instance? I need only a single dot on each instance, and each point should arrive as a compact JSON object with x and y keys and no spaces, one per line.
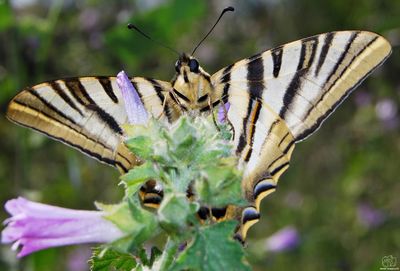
{"x":277,"y":98}
{"x":85,"y":113}
{"x":283,"y":95}
{"x":304,"y":81}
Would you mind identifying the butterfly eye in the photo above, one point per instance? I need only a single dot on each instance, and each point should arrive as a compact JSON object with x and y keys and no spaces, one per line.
{"x":194,"y":65}
{"x":177,"y":66}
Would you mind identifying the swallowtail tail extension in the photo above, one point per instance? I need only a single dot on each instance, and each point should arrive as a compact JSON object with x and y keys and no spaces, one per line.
{"x":277,"y":98}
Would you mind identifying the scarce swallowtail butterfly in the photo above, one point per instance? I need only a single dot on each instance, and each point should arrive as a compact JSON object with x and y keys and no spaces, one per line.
{"x":277,"y":98}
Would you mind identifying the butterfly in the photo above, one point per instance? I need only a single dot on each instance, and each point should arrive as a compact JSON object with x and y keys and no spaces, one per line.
{"x":277,"y":98}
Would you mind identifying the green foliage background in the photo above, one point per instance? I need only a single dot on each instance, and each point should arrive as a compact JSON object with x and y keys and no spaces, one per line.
{"x":354,"y":159}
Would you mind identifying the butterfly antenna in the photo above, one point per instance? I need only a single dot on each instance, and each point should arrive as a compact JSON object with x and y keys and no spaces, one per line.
{"x":134,"y":27}
{"x":212,"y":28}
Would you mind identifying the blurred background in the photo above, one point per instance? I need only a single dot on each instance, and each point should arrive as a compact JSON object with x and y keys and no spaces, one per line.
{"x":338,"y":206}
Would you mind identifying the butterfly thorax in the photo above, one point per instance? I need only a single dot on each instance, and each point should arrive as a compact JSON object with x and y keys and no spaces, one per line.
{"x":191,"y":86}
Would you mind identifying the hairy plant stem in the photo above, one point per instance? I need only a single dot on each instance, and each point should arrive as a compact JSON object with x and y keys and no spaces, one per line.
{"x":170,"y":249}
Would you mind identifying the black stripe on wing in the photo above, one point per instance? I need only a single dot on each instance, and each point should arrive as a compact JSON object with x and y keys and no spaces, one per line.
{"x":277,"y":60}
{"x":320,"y":120}
{"x":252,"y":129}
{"x":106,"y":84}
{"x":255,"y":76}
{"x":79,"y":92}
{"x":159,"y":91}
{"x":56,"y":87}
{"x":243,"y":135}
{"x":62,"y":139}
{"x":307,"y":55}
{"x":50,"y":106}
{"x":324,"y":51}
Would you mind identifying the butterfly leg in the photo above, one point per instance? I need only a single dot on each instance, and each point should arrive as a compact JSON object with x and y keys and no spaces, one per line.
{"x":163,"y":108}
{"x":225,"y":110}
{"x":176,"y":100}
{"x":210,"y":105}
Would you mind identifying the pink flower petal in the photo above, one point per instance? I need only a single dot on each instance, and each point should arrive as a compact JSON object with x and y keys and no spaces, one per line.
{"x":134,"y":107}
{"x":285,"y":239}
{"x":223,"y":111}
{"x":98,"y":232}
{"x":36,"y":226}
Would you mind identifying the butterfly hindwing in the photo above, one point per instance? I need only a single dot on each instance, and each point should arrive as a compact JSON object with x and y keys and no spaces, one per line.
{"x":86,"y":113}
{"x":265,"y":146}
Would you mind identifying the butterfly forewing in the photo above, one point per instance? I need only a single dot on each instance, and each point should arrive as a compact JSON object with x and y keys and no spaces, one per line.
{"x":85,"y":113}
{"x":304,"y":81}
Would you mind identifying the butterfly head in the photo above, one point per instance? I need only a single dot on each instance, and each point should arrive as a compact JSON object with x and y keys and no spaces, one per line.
{"x":191,"y":84}
{"x":188,"y":63}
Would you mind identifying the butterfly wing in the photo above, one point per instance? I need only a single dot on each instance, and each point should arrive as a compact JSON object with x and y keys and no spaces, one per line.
{"x":304,"y":81}
{"x":265,"y":146}
{"x":297,"y":86}
{"x":86,"y":113}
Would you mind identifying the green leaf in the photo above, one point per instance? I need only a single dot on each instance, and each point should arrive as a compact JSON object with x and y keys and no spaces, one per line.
{"x":174,"y":212}
{"x":183,"y":131}
{"x":105,"y":259}
{"x":148,"y":260}
{"x":225,"y":132}
{"x":139,"y":224}
{"x":221,"y":184}
{"x":119,"y":214}
{"x":191,"y":151}
{"x":213,"y":248}
{"x":140,"y":146}
{"x":155,"y":253}
{"x":137,"y":176}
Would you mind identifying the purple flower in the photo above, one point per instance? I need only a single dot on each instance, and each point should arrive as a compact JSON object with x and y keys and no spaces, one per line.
{"x":35,"y":226}
{"x":223,"y":111}
{"x":369,"y":216}
{"x":285,"y":239}
{"x":362,"y":98}
{"x":134,"y":107}
{"x":386,"y":111}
